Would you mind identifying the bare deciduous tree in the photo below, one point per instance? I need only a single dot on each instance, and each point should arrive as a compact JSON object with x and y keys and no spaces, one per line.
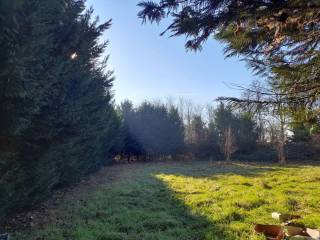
{"x":228,"y":145}
{"x":275,"y":103}
{"x":280,"y":113}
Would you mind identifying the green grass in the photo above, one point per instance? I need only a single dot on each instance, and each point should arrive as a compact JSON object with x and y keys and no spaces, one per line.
{"x":193,"y":200}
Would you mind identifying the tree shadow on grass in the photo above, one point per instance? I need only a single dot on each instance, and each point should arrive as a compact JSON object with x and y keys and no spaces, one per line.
{"x":187,"y":224}
{"x":157,"y":213}
{"x":142,"y":206}
{"x":236,"y":216}
{"x":218,"y":226}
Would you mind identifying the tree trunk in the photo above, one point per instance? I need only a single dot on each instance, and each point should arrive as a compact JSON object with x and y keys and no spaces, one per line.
{"x":282,"y":141}
{"x":282,"y":154}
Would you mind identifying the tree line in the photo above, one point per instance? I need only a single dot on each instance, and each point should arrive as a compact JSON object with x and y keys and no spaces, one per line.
{"x":154,"y":130}
{"x":221,"y":131}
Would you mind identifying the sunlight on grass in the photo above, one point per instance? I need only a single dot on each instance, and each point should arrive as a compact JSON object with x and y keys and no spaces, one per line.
{"x":234,"y":202}
{"x":184,"y":201}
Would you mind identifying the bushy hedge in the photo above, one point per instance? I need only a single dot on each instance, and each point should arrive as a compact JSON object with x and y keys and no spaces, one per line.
{"x":58,"y":121}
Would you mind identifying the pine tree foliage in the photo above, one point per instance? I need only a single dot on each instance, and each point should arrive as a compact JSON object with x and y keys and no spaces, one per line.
{"x":151,"y":129}
{"x":279,"y":39}
{"x":57,"y":121}
{"x":243,"y":127}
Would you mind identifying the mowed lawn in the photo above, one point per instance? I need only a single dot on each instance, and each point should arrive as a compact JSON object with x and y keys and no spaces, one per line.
{"x":182,"y":200}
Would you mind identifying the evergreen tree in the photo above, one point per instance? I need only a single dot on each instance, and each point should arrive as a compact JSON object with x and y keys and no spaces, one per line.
{"x":198,"y":142}
{"x":213,"y":138}
{"x":242,"y":126}
{"x":224,"y":118}
{"x":304,"y":123}
{"x":176,"y":128}
{"x":57,"y":117}
{"x":152,"y":129}
{"x":130,"y":145}
{"x":246,"y":133}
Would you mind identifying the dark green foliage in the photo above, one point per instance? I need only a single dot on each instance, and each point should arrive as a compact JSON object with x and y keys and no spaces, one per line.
{"x":57,"y":118}
{"x":224,"y":118}
{"x":213,"y":140}
{"x":304,"y":124}
{"x":246,"y":133}
{"x":202,"y":139}
{"x":243,"y":126}
{"x":151,"y":129}
{"x":248,"y":26}
{"x":130,"y":145}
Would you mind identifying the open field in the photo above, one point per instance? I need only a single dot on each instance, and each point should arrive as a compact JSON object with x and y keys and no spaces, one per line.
{"x":176,"y":200}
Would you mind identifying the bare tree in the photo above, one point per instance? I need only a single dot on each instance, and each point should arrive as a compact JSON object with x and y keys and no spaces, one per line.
{"x":257,"y":110}
{"x":210,"y":112}
{"x":228,"y":145}
{"x":268,"y":100}
{"x":280,"y":113}
{"x":186,"y":110}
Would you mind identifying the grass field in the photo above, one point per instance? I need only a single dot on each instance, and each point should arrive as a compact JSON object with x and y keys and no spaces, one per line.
{"x":193,"y":200}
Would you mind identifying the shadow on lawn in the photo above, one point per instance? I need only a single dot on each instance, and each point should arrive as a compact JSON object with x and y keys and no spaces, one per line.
{"x":172,"y":219}
{"x":158,"y":214}
{"x":181,"y":222}
{"x":145,"y":207}
{"x":199,"y":226}
{"x":142,"y":206}
{"x":132,"y":203}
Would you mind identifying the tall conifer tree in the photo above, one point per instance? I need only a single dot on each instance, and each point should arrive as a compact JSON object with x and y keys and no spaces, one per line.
{"x":57,"y":117}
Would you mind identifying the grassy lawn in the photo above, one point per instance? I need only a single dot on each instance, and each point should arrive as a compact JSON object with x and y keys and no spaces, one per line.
{"x":193,"y":200}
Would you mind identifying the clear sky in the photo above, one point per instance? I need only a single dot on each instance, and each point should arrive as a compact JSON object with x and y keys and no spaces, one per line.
{"x":148,"y":66}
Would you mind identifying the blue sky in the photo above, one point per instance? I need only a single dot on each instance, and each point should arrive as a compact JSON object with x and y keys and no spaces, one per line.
{"x":148,"y":66}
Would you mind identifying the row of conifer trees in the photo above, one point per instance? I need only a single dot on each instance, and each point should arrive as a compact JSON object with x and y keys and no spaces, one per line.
{"x":58,"y":122}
